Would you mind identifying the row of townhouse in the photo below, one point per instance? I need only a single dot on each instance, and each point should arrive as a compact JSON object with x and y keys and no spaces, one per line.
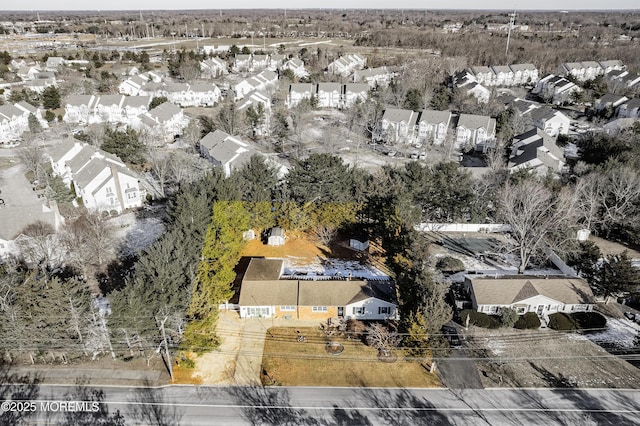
{"x":90,"y":109}
{"x":255,"y":62}
{"x":505,"y":75}
{"x":588,"y":70}
{"x":347,"y":64}
{"x":265,"y":81}
{"x":623,"y":80}
{"x":328,"y":95}
{"x":547,"y":119}
{"x":555,"y":89}
{"x":259,"y":101}
{"x":409,"y":127}
{"x":162,"y":123}
{"x":133,"y":85}
{"x":622,"y":106}
{"x":374,"y":77}
{"x":184,"y":94}
{"x":535,"y":151}
{"x":102,"y":180}
{"x":14,"y":120}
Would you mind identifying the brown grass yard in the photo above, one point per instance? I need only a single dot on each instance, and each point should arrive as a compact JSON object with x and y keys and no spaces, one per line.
{"x":290,"y":363}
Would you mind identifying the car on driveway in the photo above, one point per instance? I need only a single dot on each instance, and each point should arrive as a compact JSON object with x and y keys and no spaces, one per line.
{"x":451,"y":334}
{"x":630,"y":315}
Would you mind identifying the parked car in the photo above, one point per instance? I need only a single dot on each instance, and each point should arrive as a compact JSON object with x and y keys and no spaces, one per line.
{"x":422,"y":156}
{"x":391,"y":153}
{"x":414,"y":155}
{"x":630,"y":315}
{"x":451,"y":334}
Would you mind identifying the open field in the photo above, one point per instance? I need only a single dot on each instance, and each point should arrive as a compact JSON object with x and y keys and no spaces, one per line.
{"x":289,"y":362}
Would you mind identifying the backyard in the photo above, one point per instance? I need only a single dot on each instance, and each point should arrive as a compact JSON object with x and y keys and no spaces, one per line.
{"x":291,"y":360}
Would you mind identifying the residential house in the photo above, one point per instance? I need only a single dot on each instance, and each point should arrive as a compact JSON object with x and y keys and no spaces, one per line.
{"x":298,"y":92}
{"x":151,"y":76}
{"x":102,"y":180}
{"x":551,"y":121}
{"x":259,"y":62}
{"x":535,"y":150}
{"x":524,"y":74}
{"x":133,"y":106}
{"x":258,"y":100}
{"x":225,"y":151}
{"x":163,"y":122}
{"x":433,"y":126}
{"x":132,"y":86}
{"x":54,"y":63}
{"x":484,"y":75}
{"x":109,"y":108}
{"x":504,"y":76}
{"x":629,"y":109}
{"x":28,"y":72}
{"x":277,"y":61}
{"x":542,"y":295}
{"x":29,"y":109}
{"x":557,"y":90}
{"x":478,"y":91}
{"x":39,"y":85}
{"x":613,"y":65}
{"x":345,"y":65}
{"x":582,"y":71}
{"x":14,"y":219}
{"x":478,"y":131}
{"x":329,"y":95}
{"x":213,"y":67}
{"x":297,"y":67}
{"x":264,"y":294}
{"x":359,"y":242}
{"x":380,"y":76}
{"x":80,"y":109}
{"x":13,"y":122}
{"x":193,"y":94}
{"x":242,"y":62}
{"x":264,"y":81}
{"x":397,"y":126}
{"x":609,"y":101}
{"x":592,"y":69}
{"x":355,"y":92}
{"x":622,"y":80}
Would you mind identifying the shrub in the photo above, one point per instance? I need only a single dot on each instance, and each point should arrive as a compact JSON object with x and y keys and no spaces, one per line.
{"x":479,"y":319}
{"x":561,"y":321}
{"x":529,"y":321}
{"x":508,"y":317}
{"x":589,"y":320}
{"x":450,"y":264}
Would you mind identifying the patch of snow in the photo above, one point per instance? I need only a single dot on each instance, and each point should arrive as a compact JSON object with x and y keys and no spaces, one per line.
{"x":495,"y":346}
{"x":619,"y":333}
{"x":135,"y":234}
{"x":294,"y":266}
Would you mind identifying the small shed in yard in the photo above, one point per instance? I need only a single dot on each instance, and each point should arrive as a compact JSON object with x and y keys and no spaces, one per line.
{"x":276,"y":237}
{"x":249,"y":235}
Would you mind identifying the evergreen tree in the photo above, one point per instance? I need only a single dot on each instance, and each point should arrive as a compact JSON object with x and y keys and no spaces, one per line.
{"x":34,"y":124}
{"x":51,"y":98}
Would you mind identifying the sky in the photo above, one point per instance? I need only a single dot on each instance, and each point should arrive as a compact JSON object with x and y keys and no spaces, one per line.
{"x":333,"y":4}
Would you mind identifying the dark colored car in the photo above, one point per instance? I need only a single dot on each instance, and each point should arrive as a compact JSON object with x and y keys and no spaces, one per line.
{"x":451,"y":334}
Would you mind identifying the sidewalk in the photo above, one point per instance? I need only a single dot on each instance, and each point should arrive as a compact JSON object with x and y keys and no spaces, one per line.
{"x":70,"y":375}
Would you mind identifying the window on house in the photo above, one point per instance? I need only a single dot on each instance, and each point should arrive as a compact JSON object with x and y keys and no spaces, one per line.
{"x":358,"y":310}
{"x":386,"y":310}
{"x":287,"y":308}
{"x":319,"y":309}
{"x":109,"y":190}
{"x":132,"y":195}
{"x":521,"y":310}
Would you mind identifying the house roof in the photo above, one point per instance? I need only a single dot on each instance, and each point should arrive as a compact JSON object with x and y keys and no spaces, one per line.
{"x":164,"y":112}
{"x":78,"y":161}
{"x":544,"y":113}
{"x":611,"y":98}
{"x":508,"y":290}
{"x":269,"y":293}
{"x":431,"y":116}
{"x":330,"y":87}
{"x":395,"y":115}
{"x":522,"y":67}
{"x":276,"y":232}
{"x":59,"y":150}
{"x":79,"y":100}
{"x":14,"y":219}
{"x":109,"y":100}
{"x":529,"y":145}
{"x":470,"y":121}
{"x":89,"y":172}
{"x":301,"y":87}
{"x":501,"y":68}
{"x":136,"y":101}
{"x":356,"y":87}
{"x":632,"y":104}
{"x":9,"y":111}
{"x":224,"y":148}
{"x":263,"y":269}
{"x":591,"y":64}
{"x":611,"y":63}
{"x":481,"y":70}
{"x":27,"y":106}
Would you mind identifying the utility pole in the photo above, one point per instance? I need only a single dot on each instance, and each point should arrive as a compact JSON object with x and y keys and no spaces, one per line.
{"x":511,"y":22}
{"x":166,"y":348}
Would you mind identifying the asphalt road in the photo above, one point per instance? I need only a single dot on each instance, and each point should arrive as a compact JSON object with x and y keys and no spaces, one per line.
{"x":201,"y":405}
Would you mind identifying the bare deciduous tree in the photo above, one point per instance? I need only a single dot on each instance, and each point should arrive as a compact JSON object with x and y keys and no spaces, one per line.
{"x":39,"y":244}
{"x":537,"y":217}
{"x":382,"y":338}
{"x":89,"y":240}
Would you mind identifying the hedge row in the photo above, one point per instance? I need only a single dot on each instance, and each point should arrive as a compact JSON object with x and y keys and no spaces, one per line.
{"x":528,"y":321}
{"x":479,"y":319}
{"x":577,"y":321}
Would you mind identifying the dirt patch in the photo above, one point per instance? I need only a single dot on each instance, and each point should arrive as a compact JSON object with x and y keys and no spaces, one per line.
{"x":287,"y":361}
{"x":545,"y":358}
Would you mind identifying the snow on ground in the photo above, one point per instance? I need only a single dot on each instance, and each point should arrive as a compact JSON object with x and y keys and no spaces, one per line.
{"x":619,"y":333}
{"x":495,"y":346}
{"x":135,"y":234}
{"x":331,"y":268}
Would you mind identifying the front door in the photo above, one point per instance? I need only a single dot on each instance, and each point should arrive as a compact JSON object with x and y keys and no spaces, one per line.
{"x":540,"y":309}
{"x":340,"y":311}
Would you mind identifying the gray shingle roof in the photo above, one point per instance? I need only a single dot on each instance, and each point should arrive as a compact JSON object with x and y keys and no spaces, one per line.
{"x":469,"y":121}
{"x":505,"y":290}
{"x":431,"y":116}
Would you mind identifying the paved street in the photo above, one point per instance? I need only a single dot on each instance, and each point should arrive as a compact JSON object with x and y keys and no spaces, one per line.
{"x":200,"y":405}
